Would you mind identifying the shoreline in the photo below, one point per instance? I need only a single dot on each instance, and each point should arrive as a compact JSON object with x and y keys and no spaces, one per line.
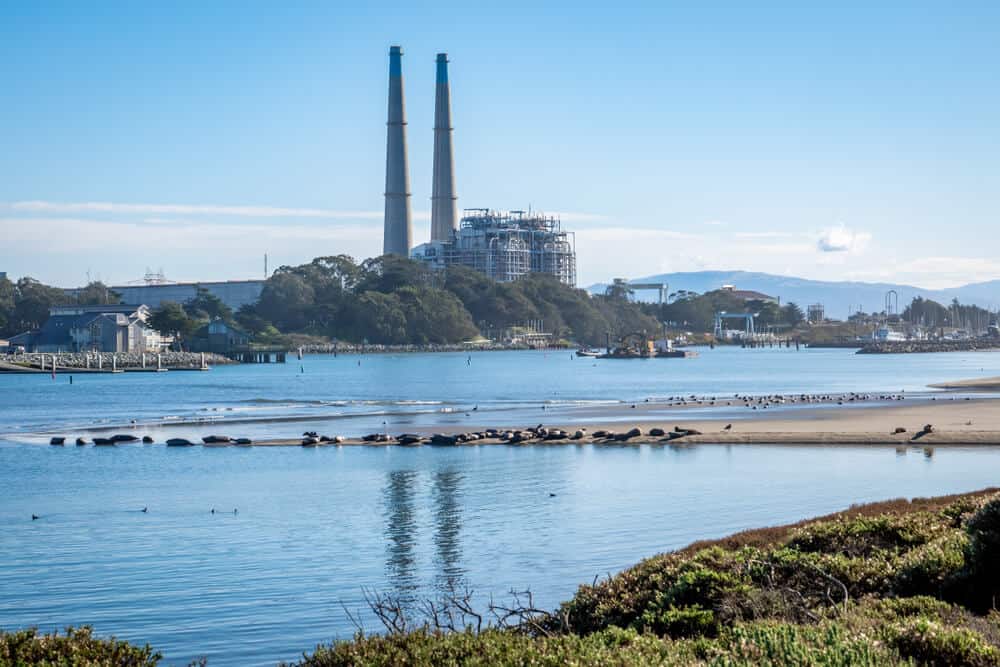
{"x":975,"y":384}
{"x":954,"y":421}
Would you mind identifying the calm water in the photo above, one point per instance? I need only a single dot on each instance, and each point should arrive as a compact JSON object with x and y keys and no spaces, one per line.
{"x":316,"y":525}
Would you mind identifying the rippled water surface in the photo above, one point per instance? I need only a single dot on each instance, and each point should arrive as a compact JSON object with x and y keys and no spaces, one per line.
{"x":315,"y":526}
{"x":353,"y":394}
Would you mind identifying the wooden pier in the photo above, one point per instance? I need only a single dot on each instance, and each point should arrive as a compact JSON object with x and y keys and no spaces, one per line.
{"x":256,"y":355}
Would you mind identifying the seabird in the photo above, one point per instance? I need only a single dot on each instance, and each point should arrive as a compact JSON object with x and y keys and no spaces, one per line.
{"x":34,"y":517}
{"x":727,"y":427}
{"x":145,"y":509}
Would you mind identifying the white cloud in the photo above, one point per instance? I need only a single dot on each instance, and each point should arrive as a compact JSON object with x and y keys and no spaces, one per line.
{"x":842,"y":239}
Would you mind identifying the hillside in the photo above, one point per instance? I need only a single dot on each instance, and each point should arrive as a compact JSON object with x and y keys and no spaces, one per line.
{"x":837,"y":297}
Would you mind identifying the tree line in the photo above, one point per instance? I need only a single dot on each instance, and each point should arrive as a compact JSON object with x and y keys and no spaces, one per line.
{"x":394,"y":300}
{"x":931,"y":314}
{"x":25,"y":304}
{"x":696,"y":312}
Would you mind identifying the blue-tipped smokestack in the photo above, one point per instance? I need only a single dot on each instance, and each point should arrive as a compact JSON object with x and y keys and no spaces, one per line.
{"x":398,"y":235}
{"x":444,"y":210}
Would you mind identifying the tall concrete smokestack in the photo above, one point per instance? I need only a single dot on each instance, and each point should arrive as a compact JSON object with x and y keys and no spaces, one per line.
{"x":398,"y":234}
{"x":444,"y":210}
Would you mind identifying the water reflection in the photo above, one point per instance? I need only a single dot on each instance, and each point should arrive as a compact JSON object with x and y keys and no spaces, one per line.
{"x":401,"y":531}
{"x":448,"y":528}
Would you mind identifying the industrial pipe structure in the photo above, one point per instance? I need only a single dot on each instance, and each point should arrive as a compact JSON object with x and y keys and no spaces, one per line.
{"x":444,"y":210}
{"x":398,"y":233}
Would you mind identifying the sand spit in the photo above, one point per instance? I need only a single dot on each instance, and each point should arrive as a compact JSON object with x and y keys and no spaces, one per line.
{"x":961,"y":421}
{"x":976,"y":384}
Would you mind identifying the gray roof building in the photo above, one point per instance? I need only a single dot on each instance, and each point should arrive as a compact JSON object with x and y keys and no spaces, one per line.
{"x":103,"y":328}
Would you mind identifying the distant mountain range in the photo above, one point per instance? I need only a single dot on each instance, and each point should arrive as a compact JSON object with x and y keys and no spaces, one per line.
{"x":838,"y":298}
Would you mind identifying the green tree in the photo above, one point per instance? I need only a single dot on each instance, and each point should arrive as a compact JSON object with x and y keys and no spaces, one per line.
{"x":33,"y":301}
{"x":434,"y":316}
{"x":619,"y":290}
{"x":7,"y":300}
{"x":170,"y":319}
{"x":206,"y":306}
{"x":97,"y":293}
{"x":390,"y":272}
{"x":248,"y":318}
{"x":792,"y":315}
{"x":287,"y":300}
{"x":375,"y":317}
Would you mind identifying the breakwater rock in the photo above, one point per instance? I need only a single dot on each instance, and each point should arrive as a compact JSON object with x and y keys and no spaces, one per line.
{"x":910,"y":346}
{"x":119,"y":360}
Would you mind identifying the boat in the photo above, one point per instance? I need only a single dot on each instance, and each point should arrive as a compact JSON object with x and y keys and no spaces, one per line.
{"x":887,"y":335}
{"x":583,"y":352}
{"x":640,"y":346}
{"x":674,"y":353}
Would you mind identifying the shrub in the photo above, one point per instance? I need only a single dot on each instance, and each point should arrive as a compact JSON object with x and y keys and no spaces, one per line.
{"x":863,"y":535}
{"x":822,"y":578}
{"x":500,"y":649}
{"x":619,"y":600}
{"x":77,"y":647}
{"x":932,"y":568}
{"x":784,"y":645}
{"x":692,"y":621}
{"x":931,"y":643}
{"x":983,"y":553}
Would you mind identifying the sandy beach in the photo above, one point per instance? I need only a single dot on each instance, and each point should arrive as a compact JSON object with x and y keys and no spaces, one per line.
{"x":978,"y":384}
{"x":962,"y":416}
{"x":961,"y":421}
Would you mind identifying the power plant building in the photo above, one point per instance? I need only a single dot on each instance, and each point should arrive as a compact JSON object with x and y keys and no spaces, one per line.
{"x":505,"y":246}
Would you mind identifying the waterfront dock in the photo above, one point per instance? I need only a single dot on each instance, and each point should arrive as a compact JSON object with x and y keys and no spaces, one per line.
{"x":108,"y":362}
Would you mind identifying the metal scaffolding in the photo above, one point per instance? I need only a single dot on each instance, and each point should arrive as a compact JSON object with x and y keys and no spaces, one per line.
{"x":506,"y":246}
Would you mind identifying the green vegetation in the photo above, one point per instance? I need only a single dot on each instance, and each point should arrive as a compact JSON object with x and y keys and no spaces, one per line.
{"x":895,"y":583}
{"x":181,"y":321}
{"x":395,"y":301}
{"x":391,"y":300}
{"x":77,"y":647}
{"x":696,"y":312}
{"x":385,"y":300}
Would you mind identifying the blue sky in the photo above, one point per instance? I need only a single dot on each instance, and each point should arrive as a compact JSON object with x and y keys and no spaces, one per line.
{"x":850,"y":141}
